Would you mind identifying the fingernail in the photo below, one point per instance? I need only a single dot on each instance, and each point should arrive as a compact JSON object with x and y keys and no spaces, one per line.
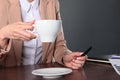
{"x":78,"y":58}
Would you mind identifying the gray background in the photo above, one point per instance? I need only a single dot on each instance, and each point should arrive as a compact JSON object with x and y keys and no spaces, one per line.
{"x":92,"y":22}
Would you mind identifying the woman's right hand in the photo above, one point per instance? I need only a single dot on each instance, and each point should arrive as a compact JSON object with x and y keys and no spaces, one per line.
{"x":17,"y":31}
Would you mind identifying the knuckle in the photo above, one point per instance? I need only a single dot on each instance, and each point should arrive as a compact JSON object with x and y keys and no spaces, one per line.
{"x":30,"y":36}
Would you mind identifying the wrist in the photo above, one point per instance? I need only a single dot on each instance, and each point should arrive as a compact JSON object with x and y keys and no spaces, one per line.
{"x":64,"y":58}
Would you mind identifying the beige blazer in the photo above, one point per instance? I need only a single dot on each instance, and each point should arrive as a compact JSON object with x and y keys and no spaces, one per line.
{"x":10,"y":13}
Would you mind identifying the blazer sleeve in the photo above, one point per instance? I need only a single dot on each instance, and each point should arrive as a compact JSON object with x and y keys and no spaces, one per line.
{"x":4,"y":52}
{"x":61,"y":47}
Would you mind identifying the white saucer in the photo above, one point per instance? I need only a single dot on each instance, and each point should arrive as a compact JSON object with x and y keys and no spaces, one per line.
{"x":51,"y":72}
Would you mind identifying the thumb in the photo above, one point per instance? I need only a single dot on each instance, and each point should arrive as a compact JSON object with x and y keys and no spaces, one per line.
{"x":76,"y":54}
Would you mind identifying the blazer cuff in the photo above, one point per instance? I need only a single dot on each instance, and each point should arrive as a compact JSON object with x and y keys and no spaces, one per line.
{"x":5,"y":50}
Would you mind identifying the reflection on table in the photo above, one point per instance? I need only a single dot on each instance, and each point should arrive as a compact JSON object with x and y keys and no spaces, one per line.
{"x":90,"y":71}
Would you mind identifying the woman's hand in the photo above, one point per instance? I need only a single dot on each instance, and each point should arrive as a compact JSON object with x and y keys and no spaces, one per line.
{"x":74,"y":60}
{"x":16,"y":31}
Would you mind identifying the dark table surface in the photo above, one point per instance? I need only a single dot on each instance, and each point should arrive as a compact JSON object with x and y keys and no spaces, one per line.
{"x":90,"y":71}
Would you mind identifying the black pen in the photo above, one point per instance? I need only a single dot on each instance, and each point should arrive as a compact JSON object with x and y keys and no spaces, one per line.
{"x":85,"y":53}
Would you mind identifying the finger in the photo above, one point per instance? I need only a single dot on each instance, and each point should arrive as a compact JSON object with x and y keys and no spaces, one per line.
{"x":29,"y":35}
{"x":76,"y":54}
{"x":26,"y":25}
{"x":76,"y":66}
{"x":24,"y":35}
{"x":78,"y":61}
{"x":29,"y":23}
{"x":20,"y":37}
{"x":82,"y":58}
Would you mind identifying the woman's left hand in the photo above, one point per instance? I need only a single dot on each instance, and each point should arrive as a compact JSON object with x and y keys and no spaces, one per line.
{"x":74,"y":60}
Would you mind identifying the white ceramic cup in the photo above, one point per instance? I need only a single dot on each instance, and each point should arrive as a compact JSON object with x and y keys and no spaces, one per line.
{"x":47,"y":29}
